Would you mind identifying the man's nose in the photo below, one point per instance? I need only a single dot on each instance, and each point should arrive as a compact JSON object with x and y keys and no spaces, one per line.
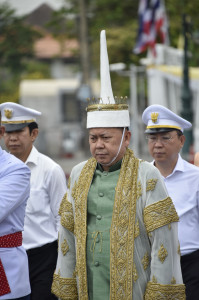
{"x":99,"y":143}
{"x":13,"y":136}
{"x":158,"y":141}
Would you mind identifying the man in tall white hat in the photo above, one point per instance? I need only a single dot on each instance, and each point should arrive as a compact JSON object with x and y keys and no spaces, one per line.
{"x":15,"y":190}
{"x":48,"y":186}
{"x":164,"y":132}
{"x":118,"y":238}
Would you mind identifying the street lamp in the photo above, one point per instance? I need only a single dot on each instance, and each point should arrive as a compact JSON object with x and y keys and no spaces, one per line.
{"x":186,"y":96}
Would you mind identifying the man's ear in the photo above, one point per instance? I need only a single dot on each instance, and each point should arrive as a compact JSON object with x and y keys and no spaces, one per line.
{"x":127,"y":137}
{"x":182,"y":139}
{"x":34,"y":134}
{"x":2,"y":131}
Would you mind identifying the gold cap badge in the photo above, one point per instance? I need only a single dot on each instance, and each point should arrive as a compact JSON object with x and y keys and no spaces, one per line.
{"x":8,"y":113}
{"x":154,"y":117}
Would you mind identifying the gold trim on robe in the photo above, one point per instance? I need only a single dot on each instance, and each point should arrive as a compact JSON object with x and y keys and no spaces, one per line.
{"x":159,"y":214}
{"x":64,"y":288}
{"x":66,"y":213}
{"x":155,"y":291}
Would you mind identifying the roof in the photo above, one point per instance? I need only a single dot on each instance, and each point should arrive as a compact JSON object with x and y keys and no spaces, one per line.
{"x":49,"y":47}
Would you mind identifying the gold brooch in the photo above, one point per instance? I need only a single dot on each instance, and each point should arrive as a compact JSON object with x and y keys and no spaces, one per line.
{"x":8,"y":113}
{"x":154,"y":117}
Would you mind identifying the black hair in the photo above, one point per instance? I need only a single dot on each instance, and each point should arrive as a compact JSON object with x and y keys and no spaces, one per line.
{"x":32,"y":126}
{"x":179,"y":132}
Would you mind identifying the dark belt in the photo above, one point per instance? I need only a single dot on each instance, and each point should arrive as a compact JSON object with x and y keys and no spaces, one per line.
{"x":8,"y":241}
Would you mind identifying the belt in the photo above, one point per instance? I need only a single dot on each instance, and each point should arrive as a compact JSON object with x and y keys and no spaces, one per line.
{"x":8,"y":241}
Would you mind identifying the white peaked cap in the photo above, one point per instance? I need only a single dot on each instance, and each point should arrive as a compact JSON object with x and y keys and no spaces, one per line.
{"x":106,"y":113}
{"x":15,"y":116}
{"x":159,"y":119}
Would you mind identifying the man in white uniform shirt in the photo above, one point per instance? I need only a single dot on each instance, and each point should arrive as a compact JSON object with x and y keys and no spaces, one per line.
{"x":164,"y":132}
{"x":48,"y":185}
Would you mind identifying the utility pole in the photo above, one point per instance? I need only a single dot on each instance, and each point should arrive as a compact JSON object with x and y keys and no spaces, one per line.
{"x":186,"y":96}
{"x":84,"y":90}
{"x":84,"y":48}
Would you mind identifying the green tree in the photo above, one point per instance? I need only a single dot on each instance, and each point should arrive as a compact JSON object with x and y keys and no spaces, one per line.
{"x":16,"y":40}
{"x":16,"y":47}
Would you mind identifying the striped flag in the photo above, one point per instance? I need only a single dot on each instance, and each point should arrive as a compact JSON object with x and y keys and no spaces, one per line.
{"x":152,"y":24}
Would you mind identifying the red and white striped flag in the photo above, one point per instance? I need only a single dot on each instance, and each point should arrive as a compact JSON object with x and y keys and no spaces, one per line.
{"x":152,"y":23}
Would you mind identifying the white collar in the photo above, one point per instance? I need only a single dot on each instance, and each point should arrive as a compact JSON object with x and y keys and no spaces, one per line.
{"x":33,"y":156}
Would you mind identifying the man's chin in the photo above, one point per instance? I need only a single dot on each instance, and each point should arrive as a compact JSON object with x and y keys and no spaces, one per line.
{"x":13,"y":151}
{"x":102,"y":161}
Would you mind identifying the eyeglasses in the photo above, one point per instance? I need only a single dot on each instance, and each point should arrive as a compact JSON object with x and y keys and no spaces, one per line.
{"x":163,"y":139}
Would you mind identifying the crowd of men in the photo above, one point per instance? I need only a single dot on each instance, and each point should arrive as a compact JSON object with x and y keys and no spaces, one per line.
{"x":128,"y":229}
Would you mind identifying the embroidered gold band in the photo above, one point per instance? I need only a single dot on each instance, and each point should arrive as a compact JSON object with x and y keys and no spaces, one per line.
{"x":64,"y":288}
{"x":18,"y":122}
{"x":66,"y":212}
{"x":123,"y":230}
{"x":107,"y":107}
{"x":155,"y":291}
{"x":80,"y":193}
{"x":159,"y":214}
{"x":164,"y":126}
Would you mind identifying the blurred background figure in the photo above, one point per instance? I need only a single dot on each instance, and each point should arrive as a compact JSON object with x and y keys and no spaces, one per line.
{"x":48,"y":186}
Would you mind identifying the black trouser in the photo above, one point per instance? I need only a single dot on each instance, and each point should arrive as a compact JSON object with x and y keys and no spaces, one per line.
{"x":42,"y":263}
{"x":21,"y":298}
{"x":190,"y":274}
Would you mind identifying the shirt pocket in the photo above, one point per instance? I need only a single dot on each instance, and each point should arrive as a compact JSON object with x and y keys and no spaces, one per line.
{"x":37,"y":201}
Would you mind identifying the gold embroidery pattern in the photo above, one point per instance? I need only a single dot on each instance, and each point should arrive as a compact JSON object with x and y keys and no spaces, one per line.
{"x":64,"y":247}
{"x":64,"y":288}
{"x":139,"y":190}
{"x":162,"y":253}
{"x":66,"y":212}
{"x":145,"y":261}
{"x":173,"y":280}
{"x":74,"y":190}
{"x":154,"y":279}
{"x":155,"y":291}
{"x":79,"y":193}
{"x":150,"y":184}
{"x":74,"y":273}
{"x":61,"y":208}
{"x":122,"y":231}
{"x":69,"y":182}
{"x":179,"y":253}
{"x":159,"y":214}
{"x":135,"y":273}
{"x":137,"y":229}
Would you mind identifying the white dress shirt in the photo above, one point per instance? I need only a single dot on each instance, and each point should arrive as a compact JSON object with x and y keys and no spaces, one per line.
{"x":15,"y":188}
{"x":183,"y":187}
{"x":48,"y":186}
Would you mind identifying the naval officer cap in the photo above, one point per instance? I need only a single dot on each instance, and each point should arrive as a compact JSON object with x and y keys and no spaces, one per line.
{"x":15,"y":116}
{"x":160,"y":119}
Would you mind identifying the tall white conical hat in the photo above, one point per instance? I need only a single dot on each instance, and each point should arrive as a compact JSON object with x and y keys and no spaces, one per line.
{"x":106,"y":111}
